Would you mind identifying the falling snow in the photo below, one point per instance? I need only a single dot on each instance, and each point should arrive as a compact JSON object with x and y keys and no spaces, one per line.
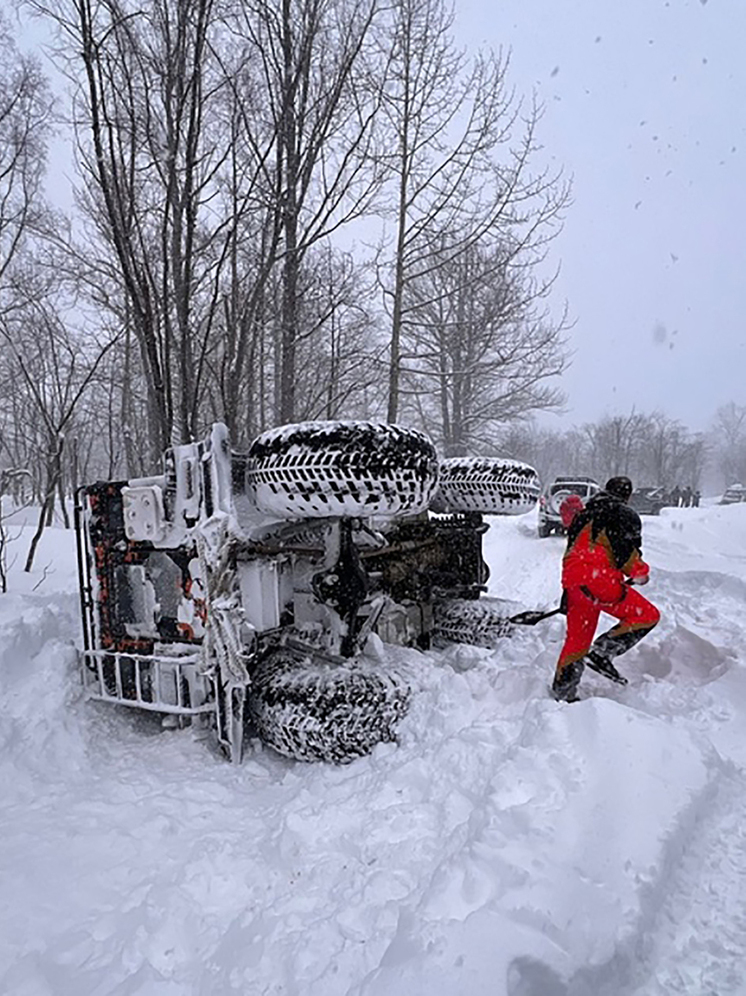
{"x":508,"y":844}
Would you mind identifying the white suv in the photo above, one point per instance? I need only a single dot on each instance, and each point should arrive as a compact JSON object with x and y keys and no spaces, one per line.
{"x":552,"y":498}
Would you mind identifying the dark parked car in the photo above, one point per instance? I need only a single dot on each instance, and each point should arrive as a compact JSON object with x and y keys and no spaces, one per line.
{"x":648,"y":501}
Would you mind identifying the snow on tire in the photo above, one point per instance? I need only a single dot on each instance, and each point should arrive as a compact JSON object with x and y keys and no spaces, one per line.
{"x":488,"y":485}
{"x":315,"y":469}
{"x":311,"y":710}
{"x":480,"y":623}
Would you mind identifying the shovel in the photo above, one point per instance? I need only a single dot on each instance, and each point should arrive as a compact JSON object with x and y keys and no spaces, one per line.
{"x":533,"y":616}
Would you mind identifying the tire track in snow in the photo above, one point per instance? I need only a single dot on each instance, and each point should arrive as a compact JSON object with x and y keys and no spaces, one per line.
{"x":685,"y":948}
{"x":692,"y":951}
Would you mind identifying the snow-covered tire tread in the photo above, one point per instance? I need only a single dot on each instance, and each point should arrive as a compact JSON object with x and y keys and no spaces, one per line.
{"x":481,"y":623}
{"x":320,"y":469}
{"x":489,"y":485}
{"x":311,"y":710}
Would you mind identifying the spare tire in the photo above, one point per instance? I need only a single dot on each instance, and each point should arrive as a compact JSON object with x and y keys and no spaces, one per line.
{"x":555,"y":502}
{"x":310,"y":710}
{"x":488,"y":485}
{"x":320,"y":469}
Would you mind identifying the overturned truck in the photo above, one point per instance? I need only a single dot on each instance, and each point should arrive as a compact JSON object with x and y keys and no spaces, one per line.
{"x":245,"y":591}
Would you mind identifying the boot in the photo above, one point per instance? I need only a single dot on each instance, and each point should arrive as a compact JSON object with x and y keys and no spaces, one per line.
{"x":602,"y":665}
{"x":566,"y":681}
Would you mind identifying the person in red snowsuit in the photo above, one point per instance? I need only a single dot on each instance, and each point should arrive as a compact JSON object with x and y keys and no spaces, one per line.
{"x":602,"y":561}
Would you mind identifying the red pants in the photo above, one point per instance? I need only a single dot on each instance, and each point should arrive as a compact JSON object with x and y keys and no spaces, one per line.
{"x":636,"y":615}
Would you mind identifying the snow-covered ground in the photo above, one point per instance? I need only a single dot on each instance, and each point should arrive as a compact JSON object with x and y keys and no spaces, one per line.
{"x":507,"y":845}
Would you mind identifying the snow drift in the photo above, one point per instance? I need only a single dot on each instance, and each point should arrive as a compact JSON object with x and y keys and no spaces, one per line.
{"x":507,"y":844}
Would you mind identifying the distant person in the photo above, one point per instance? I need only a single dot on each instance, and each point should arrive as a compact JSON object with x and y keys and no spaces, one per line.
{"x":604,"y":547}
{"x":696,"y":497}
{"x":686,"y":497}
{"x":675,"y":495}
{"x":570,"y":508}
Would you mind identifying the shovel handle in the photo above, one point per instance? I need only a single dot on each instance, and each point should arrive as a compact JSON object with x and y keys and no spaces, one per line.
{"x":533,"y":616}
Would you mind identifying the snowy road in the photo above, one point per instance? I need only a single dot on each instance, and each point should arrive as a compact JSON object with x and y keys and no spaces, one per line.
{"x":697,"y":942}
{"x":508,"y":845}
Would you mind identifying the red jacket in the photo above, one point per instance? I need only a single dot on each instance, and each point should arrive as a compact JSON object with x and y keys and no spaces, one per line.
{"x":604,"y":545}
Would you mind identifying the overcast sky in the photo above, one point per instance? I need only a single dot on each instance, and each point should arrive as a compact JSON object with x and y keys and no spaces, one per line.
{"x":645,"y":107}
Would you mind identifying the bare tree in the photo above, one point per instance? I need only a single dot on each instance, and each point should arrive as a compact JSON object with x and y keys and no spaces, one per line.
{"x":730,"y":442}
{"x":669,"y":454}
{"x":12,"y":481}
{"x":550,"y":452}
{"x":482,"y":348}
{"x":145,"y":88}
{"x":219,"y":143}
{"x":25,"y":111}
{"x":456,"y":164}
{"x":53,"y":371}
{"x":321,"y":118}
{"x":652,"y":449}
{"x":694,"y":460}
{"x":338,"y":349}
{"x":613,"y":443}
{"x":224,"y":145}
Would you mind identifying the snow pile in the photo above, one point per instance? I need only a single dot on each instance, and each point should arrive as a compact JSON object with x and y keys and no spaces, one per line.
{"x":507,"y":845}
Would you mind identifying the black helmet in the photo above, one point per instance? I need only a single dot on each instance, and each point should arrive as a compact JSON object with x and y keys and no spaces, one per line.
{"x":620,"y":487}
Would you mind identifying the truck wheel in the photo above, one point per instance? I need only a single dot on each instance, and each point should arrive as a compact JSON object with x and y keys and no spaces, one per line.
{"x":320,"y":469}
{"x":311,"y":710}
{"x":544,"y":531}
{"x":487,"y":485}
{"x":481,"y":623}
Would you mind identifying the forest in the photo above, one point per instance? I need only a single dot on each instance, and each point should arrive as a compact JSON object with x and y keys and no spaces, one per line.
{"x":286,"y":210}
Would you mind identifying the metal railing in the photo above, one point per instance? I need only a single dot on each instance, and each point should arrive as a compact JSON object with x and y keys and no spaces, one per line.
{"x":171,"y":684}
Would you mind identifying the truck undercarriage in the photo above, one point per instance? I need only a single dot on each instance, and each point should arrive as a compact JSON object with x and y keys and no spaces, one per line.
{"x":244,"y":591}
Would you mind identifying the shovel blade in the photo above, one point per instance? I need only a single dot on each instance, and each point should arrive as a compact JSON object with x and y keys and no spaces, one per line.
{"x":532,"y":616}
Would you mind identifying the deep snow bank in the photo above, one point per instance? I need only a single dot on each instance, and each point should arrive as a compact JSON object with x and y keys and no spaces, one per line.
{"x":508,"y":844}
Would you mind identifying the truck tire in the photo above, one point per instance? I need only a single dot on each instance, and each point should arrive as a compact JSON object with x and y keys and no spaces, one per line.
{"x":481,"y":624}
{"x":311,"y":710}
{"x":322,"y":469}
{"x":486,"y":484}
